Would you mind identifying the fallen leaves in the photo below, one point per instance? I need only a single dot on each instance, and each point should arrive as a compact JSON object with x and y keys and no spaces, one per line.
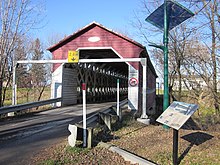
{"x":151,"y":142}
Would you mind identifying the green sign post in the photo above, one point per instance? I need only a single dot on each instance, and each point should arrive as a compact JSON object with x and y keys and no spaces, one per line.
{"x":167,"y":16}
{"x":165,"y":42}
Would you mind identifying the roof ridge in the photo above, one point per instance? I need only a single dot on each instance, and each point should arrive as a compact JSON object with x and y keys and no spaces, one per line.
{"x":103,"y":27}
{"x":119,"y":34}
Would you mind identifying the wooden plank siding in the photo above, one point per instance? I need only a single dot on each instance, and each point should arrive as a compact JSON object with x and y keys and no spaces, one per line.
{"x":69,"y":86}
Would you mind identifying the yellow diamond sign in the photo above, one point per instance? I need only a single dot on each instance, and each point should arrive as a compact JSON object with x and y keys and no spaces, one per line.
{"x":73,"y":56}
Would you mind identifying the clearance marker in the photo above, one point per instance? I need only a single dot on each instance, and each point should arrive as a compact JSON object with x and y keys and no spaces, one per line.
{"x":73,"y":56}
{"x":84,"y":114}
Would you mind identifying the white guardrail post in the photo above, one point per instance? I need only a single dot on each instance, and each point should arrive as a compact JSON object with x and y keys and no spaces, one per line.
{"x":84,"y":115}
{"x":118,"y":100}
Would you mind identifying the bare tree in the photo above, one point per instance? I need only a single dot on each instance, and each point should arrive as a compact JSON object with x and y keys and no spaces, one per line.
{"x":208,"y":18}
{"x":211,"y":12}
{"x":38,"y":71}
{"x":54,"y":38}
{"x":203,"y":27}
{"x":178,"y":38}
{"x":17,"y":18}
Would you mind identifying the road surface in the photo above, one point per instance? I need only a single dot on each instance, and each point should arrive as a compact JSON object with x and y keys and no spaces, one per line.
{"x":24,"y":137}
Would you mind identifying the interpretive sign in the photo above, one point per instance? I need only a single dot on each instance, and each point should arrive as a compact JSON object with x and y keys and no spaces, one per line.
{"x":73,"y":56}
{"x":177,"y":114}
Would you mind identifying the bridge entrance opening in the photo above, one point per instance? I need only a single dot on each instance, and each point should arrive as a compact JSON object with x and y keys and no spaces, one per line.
{"x":100,"y":78}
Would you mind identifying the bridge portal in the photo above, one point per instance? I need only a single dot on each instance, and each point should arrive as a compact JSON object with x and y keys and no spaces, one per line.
{"x":95,"y":41}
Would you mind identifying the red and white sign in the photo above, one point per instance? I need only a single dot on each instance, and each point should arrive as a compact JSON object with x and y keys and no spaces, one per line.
{"x":83,"y":86}
{"x":133,"y":81}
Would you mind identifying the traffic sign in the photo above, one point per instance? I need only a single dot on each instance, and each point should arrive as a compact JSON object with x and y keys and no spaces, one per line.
{"x":73,"y":56}
{"x":133,"y":81}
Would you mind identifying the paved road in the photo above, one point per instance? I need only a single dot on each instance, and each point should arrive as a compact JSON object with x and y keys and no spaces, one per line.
{"x":22,"y":138}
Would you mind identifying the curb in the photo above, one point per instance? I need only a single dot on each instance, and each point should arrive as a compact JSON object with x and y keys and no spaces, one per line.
{"x":126,"y":155}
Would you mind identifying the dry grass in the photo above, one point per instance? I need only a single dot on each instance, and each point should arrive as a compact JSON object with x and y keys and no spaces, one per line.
{"x":150,"y":142}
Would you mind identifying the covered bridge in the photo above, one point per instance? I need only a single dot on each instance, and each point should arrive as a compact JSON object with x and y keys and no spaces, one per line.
{"x":95,"y":41}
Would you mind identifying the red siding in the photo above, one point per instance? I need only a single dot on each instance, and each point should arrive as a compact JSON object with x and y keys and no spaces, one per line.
{"x":124,"y":47}
{"x":151,"y":84}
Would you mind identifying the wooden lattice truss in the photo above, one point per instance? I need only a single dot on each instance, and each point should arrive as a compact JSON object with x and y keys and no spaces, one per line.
{"x":101,"y":82}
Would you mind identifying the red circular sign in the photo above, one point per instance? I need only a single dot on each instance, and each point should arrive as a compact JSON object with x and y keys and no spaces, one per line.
{"x":133,"y":82}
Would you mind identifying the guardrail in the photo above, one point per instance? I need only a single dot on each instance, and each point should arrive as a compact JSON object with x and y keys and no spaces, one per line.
{"x":95,"y":116}
{"x":75,"y":132}
{"x":20,"y":107}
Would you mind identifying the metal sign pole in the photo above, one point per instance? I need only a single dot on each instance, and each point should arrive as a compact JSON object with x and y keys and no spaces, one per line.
{"x":165,"y":51}
{"x":166,"y":27}
{"x":84,"y":114}
{"x":175,"y":147}
{"x":178,"y":13}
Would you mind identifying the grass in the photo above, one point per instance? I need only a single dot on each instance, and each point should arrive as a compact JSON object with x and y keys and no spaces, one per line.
{"x":150,"y":142}
{"x":76,"y":150}
{"x":163,"y":157}
{"x":155,"y":144}
{"x":206,"y":114}
{"x":22,"y":98}
{"x":48,"y":162}
{"x":25,"y":95}
{"x":67,"y":151}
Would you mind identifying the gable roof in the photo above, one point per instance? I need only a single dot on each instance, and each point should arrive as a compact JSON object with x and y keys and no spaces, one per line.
{"x":85,"y":29}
